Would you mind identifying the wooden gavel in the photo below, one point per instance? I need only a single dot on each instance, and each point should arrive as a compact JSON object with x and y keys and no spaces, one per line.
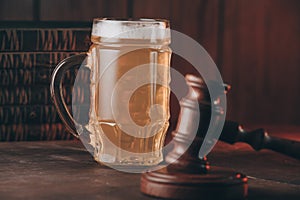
{"x":185,"y":175}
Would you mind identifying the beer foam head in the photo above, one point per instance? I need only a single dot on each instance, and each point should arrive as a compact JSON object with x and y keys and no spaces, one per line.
{"x":146,"y":29}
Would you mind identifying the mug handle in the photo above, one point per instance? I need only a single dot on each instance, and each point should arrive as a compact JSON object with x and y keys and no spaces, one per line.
{"x":56,"y":92}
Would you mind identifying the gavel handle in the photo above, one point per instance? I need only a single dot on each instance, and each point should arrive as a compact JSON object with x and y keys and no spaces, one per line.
{"x":259,"y":139}
{"x":284,"y":146}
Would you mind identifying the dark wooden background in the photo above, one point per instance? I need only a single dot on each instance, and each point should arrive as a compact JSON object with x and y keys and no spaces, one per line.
{"x":255,"y":43}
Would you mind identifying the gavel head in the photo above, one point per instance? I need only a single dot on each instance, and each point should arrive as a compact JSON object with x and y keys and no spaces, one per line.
{"x":193,"y":122}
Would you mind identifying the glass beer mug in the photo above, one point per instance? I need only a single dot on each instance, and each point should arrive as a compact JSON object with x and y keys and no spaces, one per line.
{"x":128,"y":117}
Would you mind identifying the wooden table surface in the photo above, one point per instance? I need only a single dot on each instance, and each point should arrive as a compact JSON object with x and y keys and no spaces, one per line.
{"x":65,"y":170}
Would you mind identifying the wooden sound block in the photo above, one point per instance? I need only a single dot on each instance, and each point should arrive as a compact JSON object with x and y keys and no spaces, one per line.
{"x":217,"y":183}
